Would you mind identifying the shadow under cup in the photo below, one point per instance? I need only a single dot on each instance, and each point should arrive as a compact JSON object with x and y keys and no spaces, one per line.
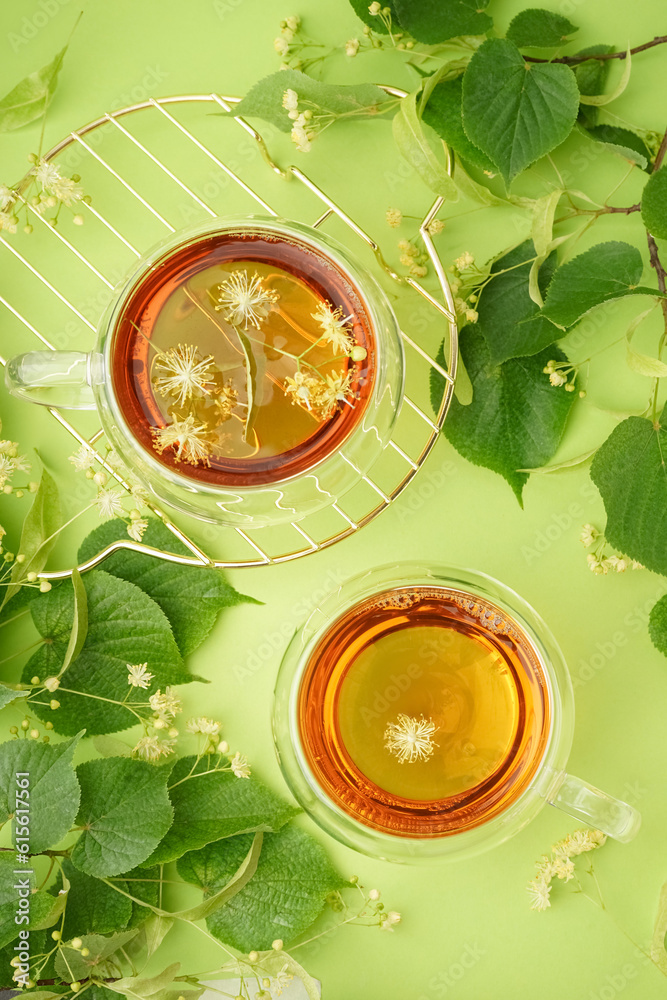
{"x":442,"y":661}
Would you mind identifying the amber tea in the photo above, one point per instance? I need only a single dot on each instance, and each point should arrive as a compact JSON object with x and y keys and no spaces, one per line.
{"x":243,"y":359}
{"x":424,"y":711}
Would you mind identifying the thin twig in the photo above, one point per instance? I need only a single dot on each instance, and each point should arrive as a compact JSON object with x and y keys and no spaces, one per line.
{"x":573,"y":60}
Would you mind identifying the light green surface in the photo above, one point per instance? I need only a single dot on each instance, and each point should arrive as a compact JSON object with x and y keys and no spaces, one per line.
{"x":467,"y":930}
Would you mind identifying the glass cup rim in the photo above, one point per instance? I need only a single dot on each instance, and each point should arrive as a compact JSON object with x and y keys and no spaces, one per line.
{"x":365,"y":287}
{"x":338,"y":822}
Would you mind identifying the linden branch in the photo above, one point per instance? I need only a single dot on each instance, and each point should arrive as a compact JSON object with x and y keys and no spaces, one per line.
{"x":573,"y":60}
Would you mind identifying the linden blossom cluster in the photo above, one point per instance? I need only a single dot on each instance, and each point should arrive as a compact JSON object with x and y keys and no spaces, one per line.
{"x":191,"y":382}
{"x":51,"y":190}
{"x":560,"y":865}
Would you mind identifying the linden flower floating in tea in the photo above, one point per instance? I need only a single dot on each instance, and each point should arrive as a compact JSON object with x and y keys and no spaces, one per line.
{"x":187,"y":437}
{"x":181,"y":373}
{"x":319,"y":394}
{"x":410,"y":739}
{"x":242,"y":300}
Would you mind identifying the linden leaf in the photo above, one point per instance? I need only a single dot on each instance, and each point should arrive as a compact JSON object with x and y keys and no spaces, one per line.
{"x":516,"y":419}
{"x":540,"y":29}
{"x":606,"y":271}
{"x":434,"y":21}
{"x":284,"y":897}
{"x":191,"y":597}
{"x":93,"y":907}
{"x":413,"y":143}
{"x":591,"y":76}
{"x":629,"y":470}
{"x":657,"y":629}
{"x":30,"y":98}
{"x":509,"y":319}
{"x":654,"y":204}
{"x":10,"y":883}
{"x":515,"y":111}
{"x":125,"y":812}
{"x":38,"y":535}
{"x":53,"y":790}
{"x":443,"y":114}
{"x":622,"y":141}
{"x":265,"y":99}
{"x":124,"y":626}
{"x":360,"y":8}
{"x":213,"y":805}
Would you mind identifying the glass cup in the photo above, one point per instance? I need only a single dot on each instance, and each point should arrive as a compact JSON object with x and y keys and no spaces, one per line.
{"x":292,"y":484}
{"x":424,"y":712}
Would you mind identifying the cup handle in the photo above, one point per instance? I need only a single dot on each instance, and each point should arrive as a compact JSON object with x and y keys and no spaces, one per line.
{"x":614,"y":817}
{"x":52,"y":378}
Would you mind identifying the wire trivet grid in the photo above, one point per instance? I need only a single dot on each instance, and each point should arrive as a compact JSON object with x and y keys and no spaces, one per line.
{"x":256,"y":549}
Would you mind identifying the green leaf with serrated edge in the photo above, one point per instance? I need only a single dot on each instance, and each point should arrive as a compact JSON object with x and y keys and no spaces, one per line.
{"x":591,"y":78}
{"x":509,"y":319}
{"x":599,"y":100}
{"x":434,"y":21}
{"x":30,"y":98}
{"x":516,"y":112}
{"x":607,"y":271}
{"x":265,"y":99}
{"x":124,"y":626}
{"x":516,"y":419}
{"x":92,"y":906}
{"x":629,"y":471}
{"x":413,"y":143}
{"x":53,"y":790}
{"x":285,"y":896}
{"x":658,"y":952}
{"x":38,"y":534}
{"x":360,"y":8}
{"x":213,"y":805}
{"x":539,"y":29}
{"x":443,"y":114}
{"x":622,"y":141}
{"x":70,"y":963}
{"x":13,"y":888}
{"x":191,"y":597}
{"x":211,"y":902}
{"x":8,"y":695}
{"x":654,"y":204}
{"x":657,"y":629}
{"x":143,"y":884}
{"x":125,"y":812}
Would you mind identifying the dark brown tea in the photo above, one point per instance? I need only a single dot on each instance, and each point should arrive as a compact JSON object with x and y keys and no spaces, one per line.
{"x":424,"y":711}
{"x":243,"y":359}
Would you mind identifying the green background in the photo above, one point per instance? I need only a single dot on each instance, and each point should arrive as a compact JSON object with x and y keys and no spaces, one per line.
{"x":467,"y":929}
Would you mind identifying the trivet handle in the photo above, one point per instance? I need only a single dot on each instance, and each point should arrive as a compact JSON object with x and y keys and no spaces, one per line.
{"x":53,"y":378}
{"x":612,"y":816}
